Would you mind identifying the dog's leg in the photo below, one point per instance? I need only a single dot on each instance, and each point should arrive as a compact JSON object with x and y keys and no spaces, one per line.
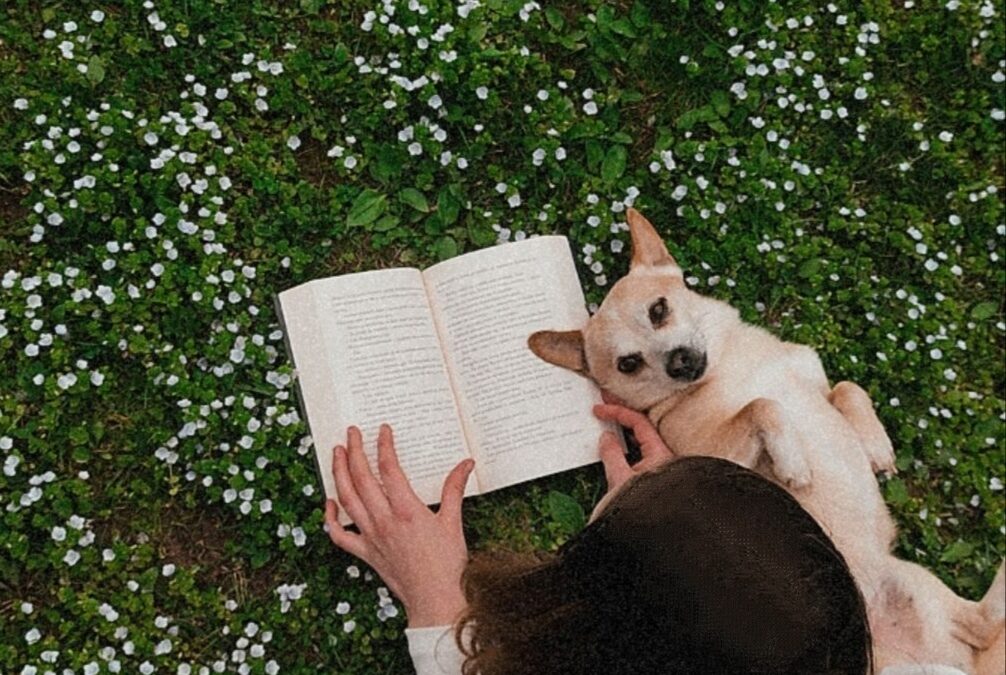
{"x":855,"y":405}
{"x":758,"y":427}
{"x":980,"y":624}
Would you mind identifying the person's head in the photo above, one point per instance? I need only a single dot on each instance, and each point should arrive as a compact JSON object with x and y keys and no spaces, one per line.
{"x":698,"y":566}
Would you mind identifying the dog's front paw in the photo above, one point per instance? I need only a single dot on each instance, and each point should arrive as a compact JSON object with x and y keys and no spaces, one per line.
{"x":882,"y":460}
{"x":790,"y":466}
{"x":795,"y":475}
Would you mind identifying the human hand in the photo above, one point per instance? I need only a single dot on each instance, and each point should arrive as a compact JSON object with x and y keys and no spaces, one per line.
{"x":419,"y":554}
{"x":652,"y":447}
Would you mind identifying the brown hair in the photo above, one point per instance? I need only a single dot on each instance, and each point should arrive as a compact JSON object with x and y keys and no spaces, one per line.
{"x":698,"y":566}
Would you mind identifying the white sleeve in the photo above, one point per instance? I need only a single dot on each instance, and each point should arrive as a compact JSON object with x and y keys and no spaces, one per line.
{"x":434,"y":651}
{"x":921,"y":669}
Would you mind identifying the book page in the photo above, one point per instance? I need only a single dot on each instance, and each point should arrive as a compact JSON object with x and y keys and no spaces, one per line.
{"x":524,"y":418}
{"x":366,"y":352}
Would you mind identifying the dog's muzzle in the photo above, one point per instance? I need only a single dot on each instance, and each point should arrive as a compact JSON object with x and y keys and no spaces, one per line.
{"x":685,"y":364}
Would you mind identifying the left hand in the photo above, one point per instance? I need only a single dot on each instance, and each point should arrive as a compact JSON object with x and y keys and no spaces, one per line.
{"x":654,"y":451}
{"x":419,"y":554}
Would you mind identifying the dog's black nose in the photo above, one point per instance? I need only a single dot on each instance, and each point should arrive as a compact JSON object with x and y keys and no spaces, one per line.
{"x":685,"y":363}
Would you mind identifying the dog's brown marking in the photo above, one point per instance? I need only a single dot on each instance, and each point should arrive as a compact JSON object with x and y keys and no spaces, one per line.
{"x":898,"y":612}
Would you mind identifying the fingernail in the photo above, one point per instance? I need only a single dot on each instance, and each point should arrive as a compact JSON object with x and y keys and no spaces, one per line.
{"x":325,"y":527}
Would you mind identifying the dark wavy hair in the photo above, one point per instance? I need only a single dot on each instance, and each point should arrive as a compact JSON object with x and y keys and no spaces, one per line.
{"x":698,"y":566}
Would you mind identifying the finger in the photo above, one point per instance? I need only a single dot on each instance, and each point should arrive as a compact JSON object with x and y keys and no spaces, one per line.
{"x":400,"y":493}
{"x":649,"y":438}
{"x":453,"y":492}
{"x":616,"y":467}
{"x":610,"y":398}
{"x":340,"y":536}
{"x":348,"y":497}
{"x":370,"y":491}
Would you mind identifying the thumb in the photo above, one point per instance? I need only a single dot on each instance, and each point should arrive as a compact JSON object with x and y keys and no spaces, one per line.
{"x":454,"y":489}
{"x":616,"y":468}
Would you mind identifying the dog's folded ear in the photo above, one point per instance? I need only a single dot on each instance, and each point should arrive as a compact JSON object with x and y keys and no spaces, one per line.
{"x":561,"y":348}
{"x":648,"y":248}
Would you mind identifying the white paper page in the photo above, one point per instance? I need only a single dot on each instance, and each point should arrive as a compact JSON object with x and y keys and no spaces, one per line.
{"x":367,"y":352}
{"x":524,"y":418}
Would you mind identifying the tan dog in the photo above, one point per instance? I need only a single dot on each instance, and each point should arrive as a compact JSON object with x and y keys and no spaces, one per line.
{"x":713,"y":385}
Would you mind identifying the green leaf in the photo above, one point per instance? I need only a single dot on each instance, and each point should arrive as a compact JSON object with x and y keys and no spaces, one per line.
{"x":565,"y":511}
{"x":614,"y":163}
{"x":896,"y":492}
{"x":957,"y":551}
{"x":95,"y":69}
{"x":415,"y":199}
{"x":448,"y":204}
{"x":388,"y":222}
{"x":721,"y":103}
{"x":554,"y":18}
{"x":367,"y":207}
{"x":477,"y":32}
{"x":605,"y":15}
{"x":640,"y":15}
{"x":809,"y":268}
{"x":623,"y":27}
{"x":984,"y":310}
{"x":445,"y":248}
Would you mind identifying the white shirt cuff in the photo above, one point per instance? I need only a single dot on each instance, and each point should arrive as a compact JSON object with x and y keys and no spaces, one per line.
{"x":434,"y":651}
{"x":921,"y":669}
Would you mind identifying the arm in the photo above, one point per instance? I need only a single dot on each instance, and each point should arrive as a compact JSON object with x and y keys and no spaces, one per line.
{"x":419,"y":554}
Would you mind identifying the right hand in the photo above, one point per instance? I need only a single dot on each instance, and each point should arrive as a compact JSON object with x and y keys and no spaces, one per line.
{"x":654,"y":451}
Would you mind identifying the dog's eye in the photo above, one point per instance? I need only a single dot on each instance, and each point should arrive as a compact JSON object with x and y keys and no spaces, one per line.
{"x":658,"y":312}
{"x":630,"y":364}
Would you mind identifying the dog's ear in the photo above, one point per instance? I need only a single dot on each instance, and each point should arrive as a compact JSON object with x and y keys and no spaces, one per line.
{"x":648,"y":248}
{"x":561,"y":348}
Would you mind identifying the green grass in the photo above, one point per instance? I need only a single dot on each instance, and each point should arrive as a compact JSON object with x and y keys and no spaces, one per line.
{"x":143,"y":461}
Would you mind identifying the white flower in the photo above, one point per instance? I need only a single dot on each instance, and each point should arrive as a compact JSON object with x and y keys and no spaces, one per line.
{"x":32,"y":636}
{"x":946,"y":136}
{"x":168,"y":569}
{"x":97,"y":16}
{"x":514,"y":200}
{"x":71,"y":557}
{"x":293,"y":142}
{"x":590,"y":108}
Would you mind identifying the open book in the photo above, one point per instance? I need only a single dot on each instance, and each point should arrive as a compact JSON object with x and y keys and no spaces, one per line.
{"x":441,"y":355}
